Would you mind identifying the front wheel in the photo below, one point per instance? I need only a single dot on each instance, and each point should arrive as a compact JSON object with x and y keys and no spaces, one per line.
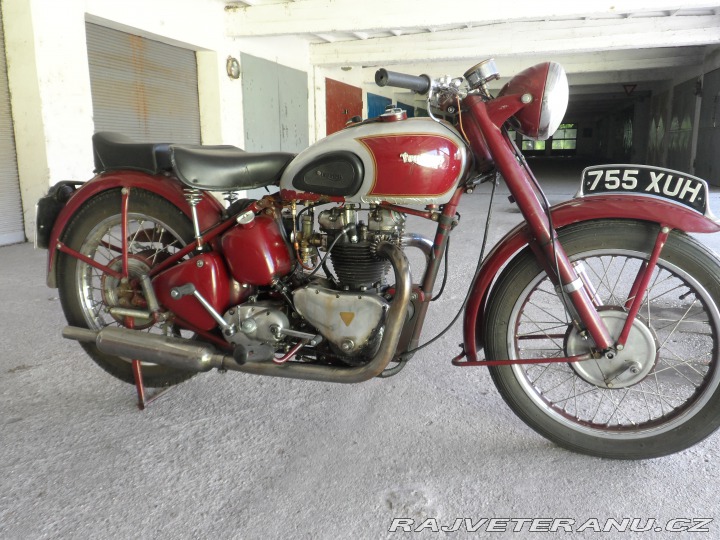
{"x":661,"y":394}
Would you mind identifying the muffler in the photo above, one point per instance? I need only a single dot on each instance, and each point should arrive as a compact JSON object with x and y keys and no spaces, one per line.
{"x":155,"y":348}
{"x":190,"y":355}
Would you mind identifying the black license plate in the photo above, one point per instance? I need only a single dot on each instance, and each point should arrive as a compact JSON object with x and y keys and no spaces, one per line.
{"x":644,"y":180}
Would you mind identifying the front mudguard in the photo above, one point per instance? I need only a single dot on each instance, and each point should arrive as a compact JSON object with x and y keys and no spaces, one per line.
{"x":209,"y":209}
{"x":567,"y":213}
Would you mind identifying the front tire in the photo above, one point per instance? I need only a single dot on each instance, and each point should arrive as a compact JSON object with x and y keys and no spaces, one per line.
{"x":665,"y":396}
{"x":156,"y":230}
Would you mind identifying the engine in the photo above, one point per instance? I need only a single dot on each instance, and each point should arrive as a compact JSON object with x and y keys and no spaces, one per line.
{"x":353,"y":242}
{"x":346,"y":307}
{"x":350,"y":311}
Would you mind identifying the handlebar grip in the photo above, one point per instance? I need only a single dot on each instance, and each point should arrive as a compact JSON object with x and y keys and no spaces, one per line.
{"x":419,"y":84}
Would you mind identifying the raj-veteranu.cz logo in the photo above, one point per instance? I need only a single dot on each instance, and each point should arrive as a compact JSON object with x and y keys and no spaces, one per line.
{"x":500,"y":525}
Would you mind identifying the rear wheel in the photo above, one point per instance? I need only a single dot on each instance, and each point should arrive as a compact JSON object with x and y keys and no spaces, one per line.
{"x":659,"y":395}
{"x":156,"y":230}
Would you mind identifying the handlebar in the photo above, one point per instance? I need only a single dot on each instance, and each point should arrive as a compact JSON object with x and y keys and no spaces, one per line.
{"x":418,"y":84}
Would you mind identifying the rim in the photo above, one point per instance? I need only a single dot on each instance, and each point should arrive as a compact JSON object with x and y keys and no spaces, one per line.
{"x":150,"y":241}
{"x":677,"y":310}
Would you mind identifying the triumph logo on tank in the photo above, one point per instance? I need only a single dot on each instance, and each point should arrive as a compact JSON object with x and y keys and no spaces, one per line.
{"x":431,"y":161}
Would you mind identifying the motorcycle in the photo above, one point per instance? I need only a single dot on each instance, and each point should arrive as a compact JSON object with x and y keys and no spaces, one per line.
{"x":598,"y":317}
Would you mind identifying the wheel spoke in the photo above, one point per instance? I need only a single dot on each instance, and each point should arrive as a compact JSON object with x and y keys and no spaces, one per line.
{"x":613,"y":296}
{"x":591,"y":390}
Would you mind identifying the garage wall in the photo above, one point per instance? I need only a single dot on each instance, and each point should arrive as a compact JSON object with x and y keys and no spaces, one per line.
{"x":707,"y":162}
{"x":50,"y":83}
{"x":680,"y":129}
{"x":641,"y":127}
{"x":11,"y":222}
{"x":659,"y":112}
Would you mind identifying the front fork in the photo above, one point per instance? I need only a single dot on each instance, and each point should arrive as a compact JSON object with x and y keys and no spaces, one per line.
{"x":642,"y":280}
{"x":577,"y":293}
{"x":632,"y":305}
{"x":575,"y":290}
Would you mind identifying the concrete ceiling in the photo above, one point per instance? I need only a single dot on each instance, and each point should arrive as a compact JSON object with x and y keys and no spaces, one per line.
{"x":613,"y":52}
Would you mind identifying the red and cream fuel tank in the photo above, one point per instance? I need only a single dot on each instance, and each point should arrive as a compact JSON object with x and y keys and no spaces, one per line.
{"x":401,"y":161}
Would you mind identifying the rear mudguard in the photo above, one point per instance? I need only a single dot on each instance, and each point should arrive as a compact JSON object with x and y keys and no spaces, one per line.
{"x":573,"y":211}
{"x":209,"y":209}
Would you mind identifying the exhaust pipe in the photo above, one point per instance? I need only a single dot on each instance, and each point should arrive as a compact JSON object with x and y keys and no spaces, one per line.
{"x":194,"y":356}
{"x":173,"y":352}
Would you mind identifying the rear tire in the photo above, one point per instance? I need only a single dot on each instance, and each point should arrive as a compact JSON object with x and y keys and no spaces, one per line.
{"x":599,"y":407}
{"x":156,"y":229}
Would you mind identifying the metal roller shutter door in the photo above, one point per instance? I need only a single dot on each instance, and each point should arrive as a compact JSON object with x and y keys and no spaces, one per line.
{"x":11,"y":217}
{"x":143,"y":88}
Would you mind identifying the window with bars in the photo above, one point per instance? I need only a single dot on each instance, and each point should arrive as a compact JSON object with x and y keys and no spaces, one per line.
{"x":531,"y":145}
{"x":565,"y":139}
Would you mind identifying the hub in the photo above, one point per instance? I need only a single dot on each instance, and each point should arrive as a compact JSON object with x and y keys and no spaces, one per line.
{"x":118,"y":293}
{"x":618,"y":369}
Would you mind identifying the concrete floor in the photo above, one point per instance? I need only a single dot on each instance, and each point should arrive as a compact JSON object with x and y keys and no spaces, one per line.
{"x":240,"y":456}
